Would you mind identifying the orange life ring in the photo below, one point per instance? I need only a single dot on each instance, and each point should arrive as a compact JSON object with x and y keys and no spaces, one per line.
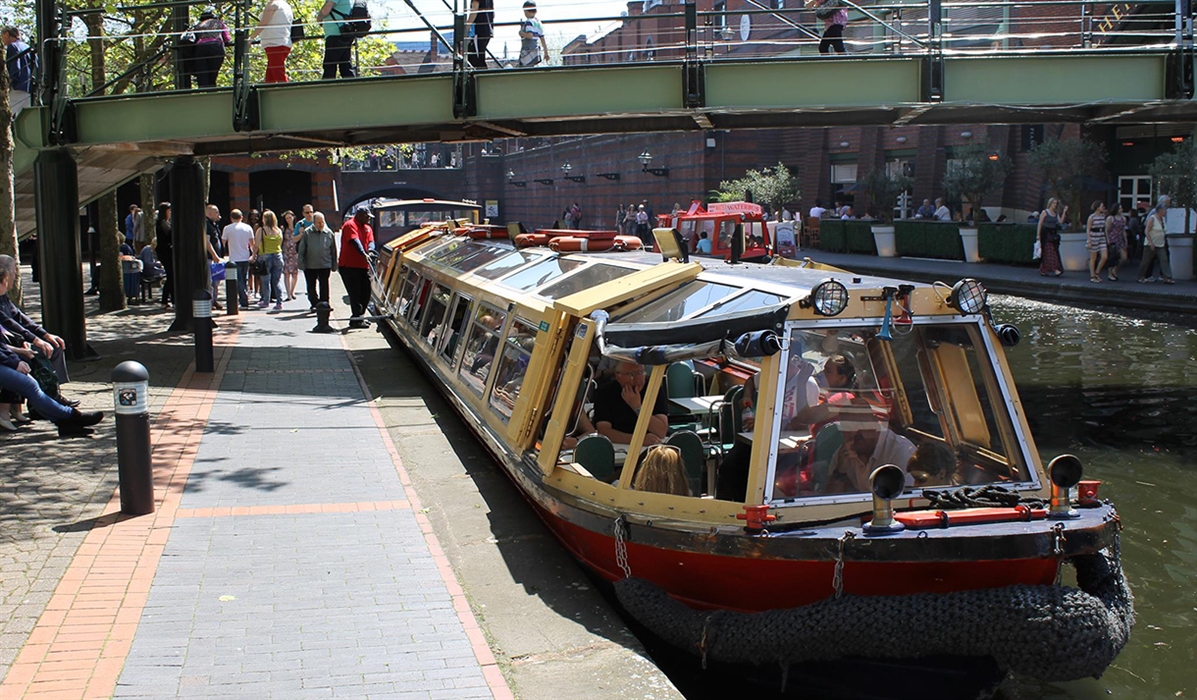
{"x":570,"y":244}
{"x":573,"y":233}
{"x":629,"y":242}
{"x":524,"y":240}
{"x":486,"y":233}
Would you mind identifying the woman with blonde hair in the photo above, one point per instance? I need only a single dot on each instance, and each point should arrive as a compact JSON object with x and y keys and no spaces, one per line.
{"x":662,"y":471}
{"x":269,"y":242}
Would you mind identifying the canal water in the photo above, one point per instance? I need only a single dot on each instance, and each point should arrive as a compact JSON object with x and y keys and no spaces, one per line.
{"x":1120,"y":392}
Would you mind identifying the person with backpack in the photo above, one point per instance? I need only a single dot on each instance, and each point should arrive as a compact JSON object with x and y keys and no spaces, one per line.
{"x":482,"y":27}
{"x":274,"y":30}
{"x":22,"y":64}
{"x":211,"y":38}
{"x":338,"y":44}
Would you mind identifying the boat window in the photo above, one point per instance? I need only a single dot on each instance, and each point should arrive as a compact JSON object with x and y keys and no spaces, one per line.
{"x":407,"y":291}
{"x":592,"y":276}
{"x":481,"y":346}
{"x":448,"y":249}
{"x":927,"y":401}
{"x":505,"y":264}
{"x":539,"y":273}
{"x":419,"y":302}
{"x":727,"y":227}
{"x":752,"y":299}
{"x":509,"y":377}
{"x":461,"y":311}
{"x":435,"y":317}
{"x":681,"y":302}
{"x":461,"y":254}
{"x":479,"y":258}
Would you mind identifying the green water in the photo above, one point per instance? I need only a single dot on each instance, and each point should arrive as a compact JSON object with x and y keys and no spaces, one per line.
{"x":1121,"y":394}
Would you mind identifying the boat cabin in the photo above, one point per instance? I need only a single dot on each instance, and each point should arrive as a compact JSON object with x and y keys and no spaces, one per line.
{"x":395,"y":217}
{"x":719,"y":222}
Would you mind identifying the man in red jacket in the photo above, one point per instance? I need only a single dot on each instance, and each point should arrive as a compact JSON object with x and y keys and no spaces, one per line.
{"x":356,"y":238}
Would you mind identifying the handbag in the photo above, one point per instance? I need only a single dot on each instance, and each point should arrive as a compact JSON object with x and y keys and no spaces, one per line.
{"x":258,"y":267}
{"x":828,"y":8}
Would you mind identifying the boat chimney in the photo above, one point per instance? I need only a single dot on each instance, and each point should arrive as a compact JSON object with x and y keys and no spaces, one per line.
{"x":1065,"y":472}
{"x":887,"y":482}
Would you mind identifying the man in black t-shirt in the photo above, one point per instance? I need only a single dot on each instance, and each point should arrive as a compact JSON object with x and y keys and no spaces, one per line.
{"x":481,"y":22}
{"x":617,"y":406}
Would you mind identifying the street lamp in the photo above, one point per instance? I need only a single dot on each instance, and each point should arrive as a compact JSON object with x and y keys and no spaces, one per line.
{"x":512,"y":181}
{"x":645,"y":158}
{"x":573,"y":178}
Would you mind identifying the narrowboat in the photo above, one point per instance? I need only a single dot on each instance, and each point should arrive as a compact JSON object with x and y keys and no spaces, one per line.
{"x":770,"y":463}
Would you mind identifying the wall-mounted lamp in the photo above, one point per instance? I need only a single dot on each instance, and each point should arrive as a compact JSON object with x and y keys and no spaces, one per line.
{"x":645,"y":158}
{"x":901,"y":139}
{"x":608,"y":176}
{"x":966,"y":134}
{"x":1178,"y":139}
{"x":843,"y":144}
{"x":512,"y":181}
{"x":544,"y":180}
{"x":566,"y":168}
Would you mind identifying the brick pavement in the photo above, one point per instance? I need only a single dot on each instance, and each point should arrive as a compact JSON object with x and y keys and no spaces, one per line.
{"x":295,"y":563}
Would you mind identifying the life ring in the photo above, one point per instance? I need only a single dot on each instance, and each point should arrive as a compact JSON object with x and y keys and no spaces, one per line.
{"x":525,"y":240}
{"x":481,"y":233}
{"x":629,"y":242}
{"x":570,"y":244}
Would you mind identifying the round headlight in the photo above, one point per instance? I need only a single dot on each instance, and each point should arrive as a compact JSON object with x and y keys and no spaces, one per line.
{"x":829,"y":298}
{"x":968,"y":296}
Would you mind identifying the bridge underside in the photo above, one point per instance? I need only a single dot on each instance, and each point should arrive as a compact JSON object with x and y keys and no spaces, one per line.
{"x":1035,"y":88}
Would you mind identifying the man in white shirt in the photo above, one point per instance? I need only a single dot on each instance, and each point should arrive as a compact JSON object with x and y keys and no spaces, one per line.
{"x":846,"y":212}
{"x":238,"y":240}
{"x":942,"y":213}
{"x":868,"y":444}
{"x":817,"y":211}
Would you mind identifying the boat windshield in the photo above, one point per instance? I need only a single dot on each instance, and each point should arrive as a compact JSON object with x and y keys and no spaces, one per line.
{"x":539,"y":273}
{"x":592,"y":276}
{"x":752,"y":299}
{"x":505,"y":264}
{"x":927,"y":401}
{"x":680,"y":303}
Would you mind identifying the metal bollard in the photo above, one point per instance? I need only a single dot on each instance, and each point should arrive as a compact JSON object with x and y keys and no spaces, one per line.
{"x":135,"y":473}
{"x":323,"y":310}
{"x":201,"y":310}
{"x":231,"y":293}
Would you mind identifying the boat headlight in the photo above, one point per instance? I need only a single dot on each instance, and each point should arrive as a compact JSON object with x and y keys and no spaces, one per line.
{"x":828,"y":298}
{"x":1065,"y":472}
{"x":887,"y":483}
{"x":968,"y":296}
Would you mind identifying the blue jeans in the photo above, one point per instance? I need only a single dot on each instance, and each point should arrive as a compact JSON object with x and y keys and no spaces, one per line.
{"x":242,"y":282}
{"x":25,"y":385}
{"x":271,"y":290}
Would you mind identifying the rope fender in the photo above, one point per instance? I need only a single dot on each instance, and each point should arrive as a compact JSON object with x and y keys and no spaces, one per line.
{"x":1055,"y":633}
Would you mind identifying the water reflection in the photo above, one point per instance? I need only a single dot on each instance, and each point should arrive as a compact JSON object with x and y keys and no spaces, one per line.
{"x":1121,"y":393}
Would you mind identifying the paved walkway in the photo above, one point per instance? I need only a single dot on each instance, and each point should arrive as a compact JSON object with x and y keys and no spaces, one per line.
{"x":287,"y":557}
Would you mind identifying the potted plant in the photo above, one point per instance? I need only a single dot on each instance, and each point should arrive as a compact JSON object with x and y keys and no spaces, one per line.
{"x":1176,"y":176}
{"x":884,"y":187}
{"x":974,"y":171}
{"x":1065,"y":163}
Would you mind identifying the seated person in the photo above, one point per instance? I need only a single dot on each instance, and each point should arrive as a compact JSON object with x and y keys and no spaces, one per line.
{"x":868,"y":443}
{"x":704,"y":244}
{"x":933,"y":464}
{"x":150,"y":267}
{"x":617,"y":405}
{"x":662,"y":471}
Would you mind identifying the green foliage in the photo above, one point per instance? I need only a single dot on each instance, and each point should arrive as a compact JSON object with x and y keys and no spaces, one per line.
{"x":1176,"y":174}
{"x":928,"y":239}
{"x":840,"y":236}
{"x":774,"y":187}
{"x":883,"y":188}
{"x":972,"y":174}
{"x":1012,"y":244}
{"x":1064,"y":165}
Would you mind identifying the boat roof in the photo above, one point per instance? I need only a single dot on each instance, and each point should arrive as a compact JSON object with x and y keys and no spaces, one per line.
{"x":412,"y":203}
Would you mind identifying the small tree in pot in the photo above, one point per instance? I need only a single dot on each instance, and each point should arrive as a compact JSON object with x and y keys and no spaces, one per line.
{"x":975,"y":172}
{"x":773,"y":187}
{"x":1175,"y":175}
{"x":884,"y":187}
{"x":1064,"y":165}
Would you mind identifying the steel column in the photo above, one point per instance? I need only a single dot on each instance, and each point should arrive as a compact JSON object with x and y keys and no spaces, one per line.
{"x":56,"y":192}
{"x":191,"y":261}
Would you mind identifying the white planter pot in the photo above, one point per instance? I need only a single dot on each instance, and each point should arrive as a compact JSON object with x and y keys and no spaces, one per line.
{"x":968,"y":236}
{"x":1180,"y":255}
{"x":1073,"y":255}
{"x":883,"y":236}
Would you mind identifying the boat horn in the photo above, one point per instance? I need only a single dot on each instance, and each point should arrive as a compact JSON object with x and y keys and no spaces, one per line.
{"x":887,"y":324}
{"x":1066,"y":472}
{"x":887,"y":483}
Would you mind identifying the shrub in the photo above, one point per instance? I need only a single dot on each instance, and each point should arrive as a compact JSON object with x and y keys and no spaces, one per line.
{"x":928,"y":239}
{"x":1012,"y":244}
{"x":840,"y":236}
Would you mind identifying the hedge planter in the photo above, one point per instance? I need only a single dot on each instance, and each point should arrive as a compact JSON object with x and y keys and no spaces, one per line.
{"x":1011,"y":244}
{"x":883,"y":237}
{"x":968,"y":239}
{"x":928,"y":239}
{"x":1073,"y":255}
{"x":847,"y":236}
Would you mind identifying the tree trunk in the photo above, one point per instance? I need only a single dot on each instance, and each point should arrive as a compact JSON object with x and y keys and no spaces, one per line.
{"x":112,"y":287}
{"x":8,"y":228}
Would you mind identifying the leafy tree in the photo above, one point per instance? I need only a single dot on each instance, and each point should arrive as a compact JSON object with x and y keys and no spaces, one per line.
{"x":884,"y":187}
{"x":773,"y":187}
{"x":1175,"y":175}
{"x":1064,"y":164}
{"x":975,"y":172}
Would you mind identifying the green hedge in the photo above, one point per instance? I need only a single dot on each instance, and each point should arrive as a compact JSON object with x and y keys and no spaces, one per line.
{"x":1012,"y":244}
{"x":928,"y":239}
{"x":840,"y":236}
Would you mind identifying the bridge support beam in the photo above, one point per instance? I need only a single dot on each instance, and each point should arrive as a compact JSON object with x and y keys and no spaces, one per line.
{"x":56,"y":191}
{"x":187,"y":219}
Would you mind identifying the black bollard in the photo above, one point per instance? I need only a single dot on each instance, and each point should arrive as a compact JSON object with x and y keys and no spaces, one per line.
{"x":201,"y":311}
{"x":323,"y":310}
{"x":231,"y":294}
{"x":135,"y":474}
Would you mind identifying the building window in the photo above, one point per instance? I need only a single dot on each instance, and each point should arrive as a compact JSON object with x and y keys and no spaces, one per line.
{"x":1133,"y":190}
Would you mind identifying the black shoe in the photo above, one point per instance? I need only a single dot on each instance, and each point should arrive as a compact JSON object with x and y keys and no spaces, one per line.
{"x":32,"y":414}
{"x":358,"y":324}
{"x":66,"y":402}
{"x":79,"y":422}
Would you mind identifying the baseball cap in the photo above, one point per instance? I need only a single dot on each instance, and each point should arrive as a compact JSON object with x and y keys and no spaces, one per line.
{"x":529,"y":5}
{"x":364,"y":209}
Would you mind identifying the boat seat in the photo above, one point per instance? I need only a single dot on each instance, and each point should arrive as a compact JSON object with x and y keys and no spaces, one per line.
{"x":694,"y":455}
{"x":597,"y":455}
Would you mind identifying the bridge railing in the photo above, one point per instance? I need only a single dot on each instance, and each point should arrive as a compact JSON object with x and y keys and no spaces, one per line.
{"x":137,"y":48}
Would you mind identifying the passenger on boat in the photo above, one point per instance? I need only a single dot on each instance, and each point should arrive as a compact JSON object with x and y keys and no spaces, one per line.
{"x":703,"y":247}
{"x":662,"y":471}
{"x":868,"y":443}
{"x":617,"y":405}
{"x":933,"y":464}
